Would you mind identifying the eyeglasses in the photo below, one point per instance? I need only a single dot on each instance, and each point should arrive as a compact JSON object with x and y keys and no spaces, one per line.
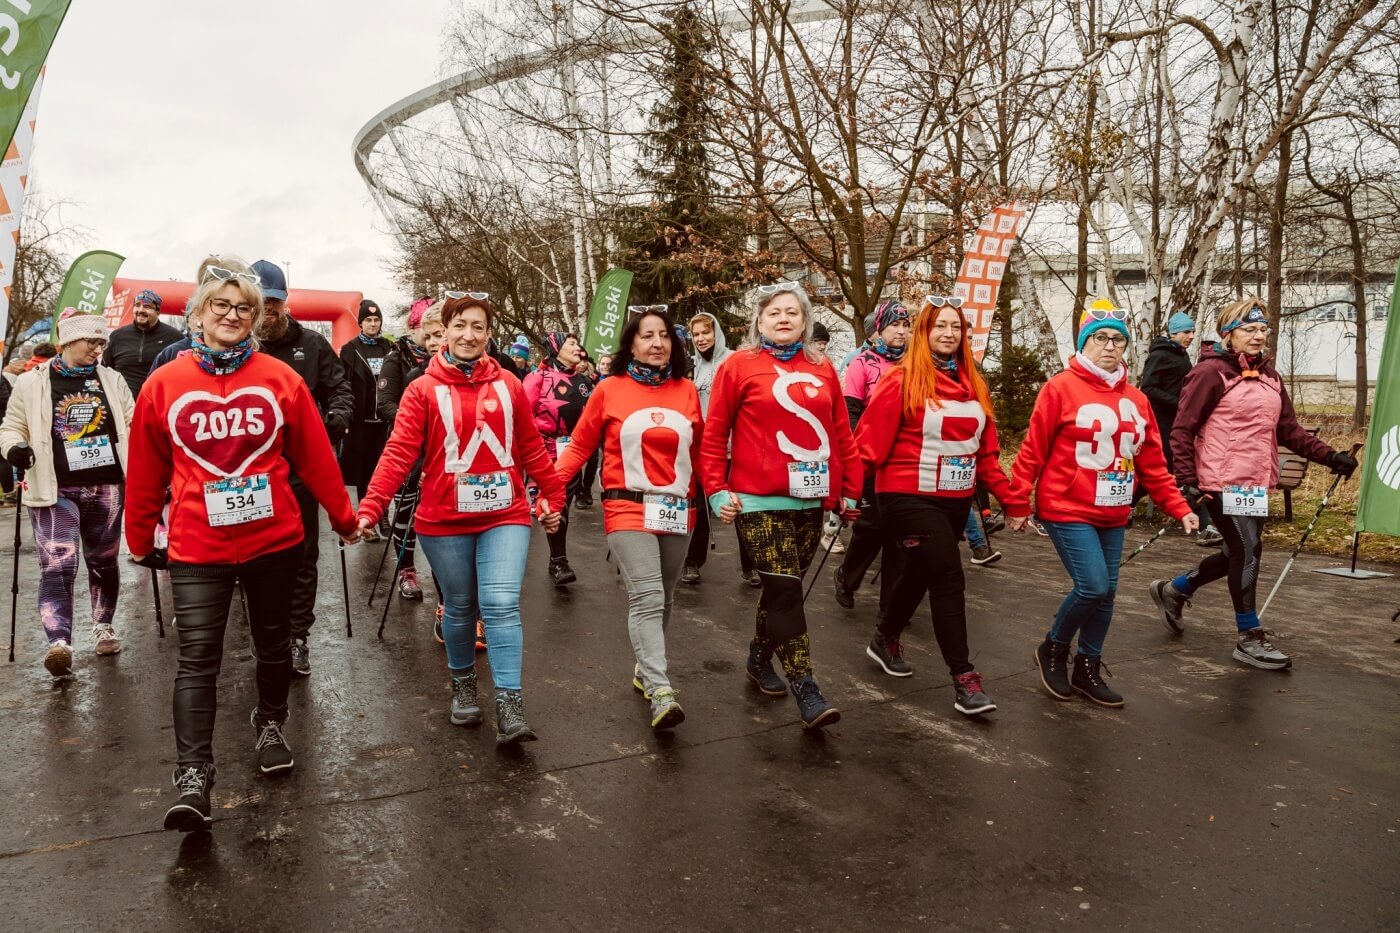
{"x":938,"y":301}
{"x":1256,"y":330}
{"x":224,"y":275}
{"x":222,"y":307}
{"x":1103,"y":339}
{"x":97,"y":343}
{"x":647,"y":309}
{"x":766,"y":290}
{"x":474,"y":296}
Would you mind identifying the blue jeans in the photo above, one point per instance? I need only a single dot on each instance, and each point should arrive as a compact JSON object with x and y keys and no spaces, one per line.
{"x":482,"y":574}
{"x":972,"y":531}
{"x":1091,"y":555}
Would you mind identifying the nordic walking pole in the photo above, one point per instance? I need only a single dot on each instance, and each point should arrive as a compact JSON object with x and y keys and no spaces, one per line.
{"x":1304,"y":539}
{"x":155,"y":589}
{"x":388,"y":543}
{"x":825,"y":554}
{"x":389,"y":597}
{"x":14,"y":581}
{"x":1146,"y":544}
{"x":345,"y":585}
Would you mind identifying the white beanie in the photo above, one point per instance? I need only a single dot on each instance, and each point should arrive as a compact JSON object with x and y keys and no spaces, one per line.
{"x":74,"y":325}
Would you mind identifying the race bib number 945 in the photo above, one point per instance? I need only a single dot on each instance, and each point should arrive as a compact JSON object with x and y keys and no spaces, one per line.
{"x":484,"y":492}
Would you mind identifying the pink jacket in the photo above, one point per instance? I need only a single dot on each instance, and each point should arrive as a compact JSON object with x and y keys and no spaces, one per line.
{"x":1230,"y":421}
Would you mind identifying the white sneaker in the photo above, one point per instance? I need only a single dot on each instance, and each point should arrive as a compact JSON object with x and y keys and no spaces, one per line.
{"x":106,"y":639}
{"x":1254,"y":648}
{"x":833,"y":544}
{"x":59,"y":660}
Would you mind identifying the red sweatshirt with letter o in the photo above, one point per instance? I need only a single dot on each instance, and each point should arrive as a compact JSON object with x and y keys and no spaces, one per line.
{"x":191,"y":429}
{"x":778,"y":413}
{"x":478,"y":440}
{"x":651,"y":442}
{"x":914,"y":455}
{"x":1081,"y":427}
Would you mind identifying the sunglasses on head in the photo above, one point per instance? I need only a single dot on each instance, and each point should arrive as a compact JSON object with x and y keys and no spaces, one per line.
{"x":224,"y":275}
{"x":766,"y":290}
{"x":938,"y":301}
{"x":647,"y":309}
{"x":1103,"y":311}
{"x":474,"y":296}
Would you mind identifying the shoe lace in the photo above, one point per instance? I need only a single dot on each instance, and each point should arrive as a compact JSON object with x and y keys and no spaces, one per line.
{"x":1097,"y":670}
{"x":190,"y":781}
{"x":663,"y":697}
{"x":513,"y":706}
{"x":893,"y":647}
{"x":269,"y":734}
{"x":1261,"y":635}
{"x":464,"y":689}
{"x":971,"y":682}
{"x":409,"y":577}
{"x":103,"y":632}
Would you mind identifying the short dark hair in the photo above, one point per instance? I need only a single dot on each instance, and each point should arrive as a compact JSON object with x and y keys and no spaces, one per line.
{"x":45,"y":351}
{"x":455,"y":306}
{"x":680,"y":360}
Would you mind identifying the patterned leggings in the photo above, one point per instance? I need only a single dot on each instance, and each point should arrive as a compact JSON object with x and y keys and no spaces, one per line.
{"x":403,"y":539}
{"x":86,"y":515}
{"x":782,"y":545}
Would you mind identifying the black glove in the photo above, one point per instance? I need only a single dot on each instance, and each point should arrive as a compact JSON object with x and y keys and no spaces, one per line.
{"x":21,"y":457}
{"x":1194,"y":497}
{"x":337,"y":426}
{"x":158,"y":559}
{"x":1340,"y":463}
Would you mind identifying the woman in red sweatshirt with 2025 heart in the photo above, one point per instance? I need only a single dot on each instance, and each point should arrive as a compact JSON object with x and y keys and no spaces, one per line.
{"x":778,"y":402}
{"x":469,"y":420}
{"x":929,"y":433}
{"x":217,"y":426}
{"x":1092,"y":436}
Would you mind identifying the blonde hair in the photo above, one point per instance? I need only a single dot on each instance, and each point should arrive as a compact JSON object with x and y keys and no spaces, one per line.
{"x":759,"y":301}
{"x":208,"y":286}
{"x":1235,"y":311}
{"x":433,"y":315}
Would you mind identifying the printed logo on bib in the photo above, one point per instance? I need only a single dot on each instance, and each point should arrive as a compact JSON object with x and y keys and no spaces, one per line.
{"x":225,"y":434}
{"x":809,"y":480}
{"x":957,"y":474}
{"x":375,"y":364}
{"x":236,"y":500}
{"x":1114,"y":488}
{"x":669,"y":515}
{"x":89,"y":453}
{"x":484,"y":492}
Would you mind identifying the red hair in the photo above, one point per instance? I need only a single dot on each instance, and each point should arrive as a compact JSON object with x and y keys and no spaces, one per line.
{"x":920,"y":373}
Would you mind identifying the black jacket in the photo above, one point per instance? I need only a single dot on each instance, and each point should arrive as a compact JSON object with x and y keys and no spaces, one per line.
{"x":364,"y":365}
{"x":393,"y":378}
{"x":131,"y":351}
{"x":311,"y":356}
{"x":1166,"y":368}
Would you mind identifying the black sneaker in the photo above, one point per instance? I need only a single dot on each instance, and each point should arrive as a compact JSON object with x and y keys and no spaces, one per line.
{"x":985,"y":555}
{"x":815,"y":711}
{"x":690,"y":575}
{"x":301,"y":657}
{"x":844,"y":597}
{"x":1088,"y":680}
{"x":191,"y":812}
{"x":510,"y":719}
{"x":752,"y":578}
{"x":584,"y":499}
{"x":1170,"y":604}
{"x":760,"y":671}
{"x":560,"y":573}
{"x":970,"y":699}
{"x":992,"y":526}
{"x":274,"y":754}
{"x":889,"y":654}
{"x":1053,"y":661}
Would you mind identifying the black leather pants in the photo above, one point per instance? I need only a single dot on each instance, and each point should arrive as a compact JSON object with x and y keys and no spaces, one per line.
{"x":203,"y":595}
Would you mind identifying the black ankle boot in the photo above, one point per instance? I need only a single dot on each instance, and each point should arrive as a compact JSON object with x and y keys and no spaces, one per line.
{"x":191,"y":812}
{"x":1089,"y":681}
{"x":815,"y":710}
{"x":1053,"y":661}
{"x":760,"y":671}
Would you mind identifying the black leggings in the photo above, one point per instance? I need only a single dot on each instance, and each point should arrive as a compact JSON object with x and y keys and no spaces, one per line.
{"x":699,"y":550}
{"x":782,"y":544}
{"x":1237,"y":560}
{"x":202,"y":594}
{"x":559,"y":540}
{"x":402,"y":538}
{"x":926,"y":530}
{"x":303,"y":593}
{"x":869,"y":538}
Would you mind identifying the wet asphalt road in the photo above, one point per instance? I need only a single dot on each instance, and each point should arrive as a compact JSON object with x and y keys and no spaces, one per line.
{"x":1220,"y":798}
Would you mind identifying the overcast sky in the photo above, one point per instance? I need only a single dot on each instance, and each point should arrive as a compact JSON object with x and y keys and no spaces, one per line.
{"x":179,"y":128}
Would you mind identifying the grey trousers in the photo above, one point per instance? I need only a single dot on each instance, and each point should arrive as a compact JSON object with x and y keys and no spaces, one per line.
{"x":651,"y":567}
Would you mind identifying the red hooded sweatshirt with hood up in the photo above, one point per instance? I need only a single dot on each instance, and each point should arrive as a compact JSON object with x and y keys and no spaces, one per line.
{"x":478,"y":441}
{"x":1084,"y":434}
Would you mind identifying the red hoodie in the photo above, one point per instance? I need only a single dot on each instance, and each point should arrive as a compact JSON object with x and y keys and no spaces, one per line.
{"x":478,"y":440}
{"x":651,"y":442}
{"x":1085,"y":442}
{"x":192,"y":430}
{"x":944,"y":452}
{"x":779,"y":414}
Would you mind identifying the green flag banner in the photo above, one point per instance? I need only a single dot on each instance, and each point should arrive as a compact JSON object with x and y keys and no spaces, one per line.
{"x":27,"y":31}
{"x":1379,"y":509}
{"x":608,"y":314}
{"x":87,"y":284}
